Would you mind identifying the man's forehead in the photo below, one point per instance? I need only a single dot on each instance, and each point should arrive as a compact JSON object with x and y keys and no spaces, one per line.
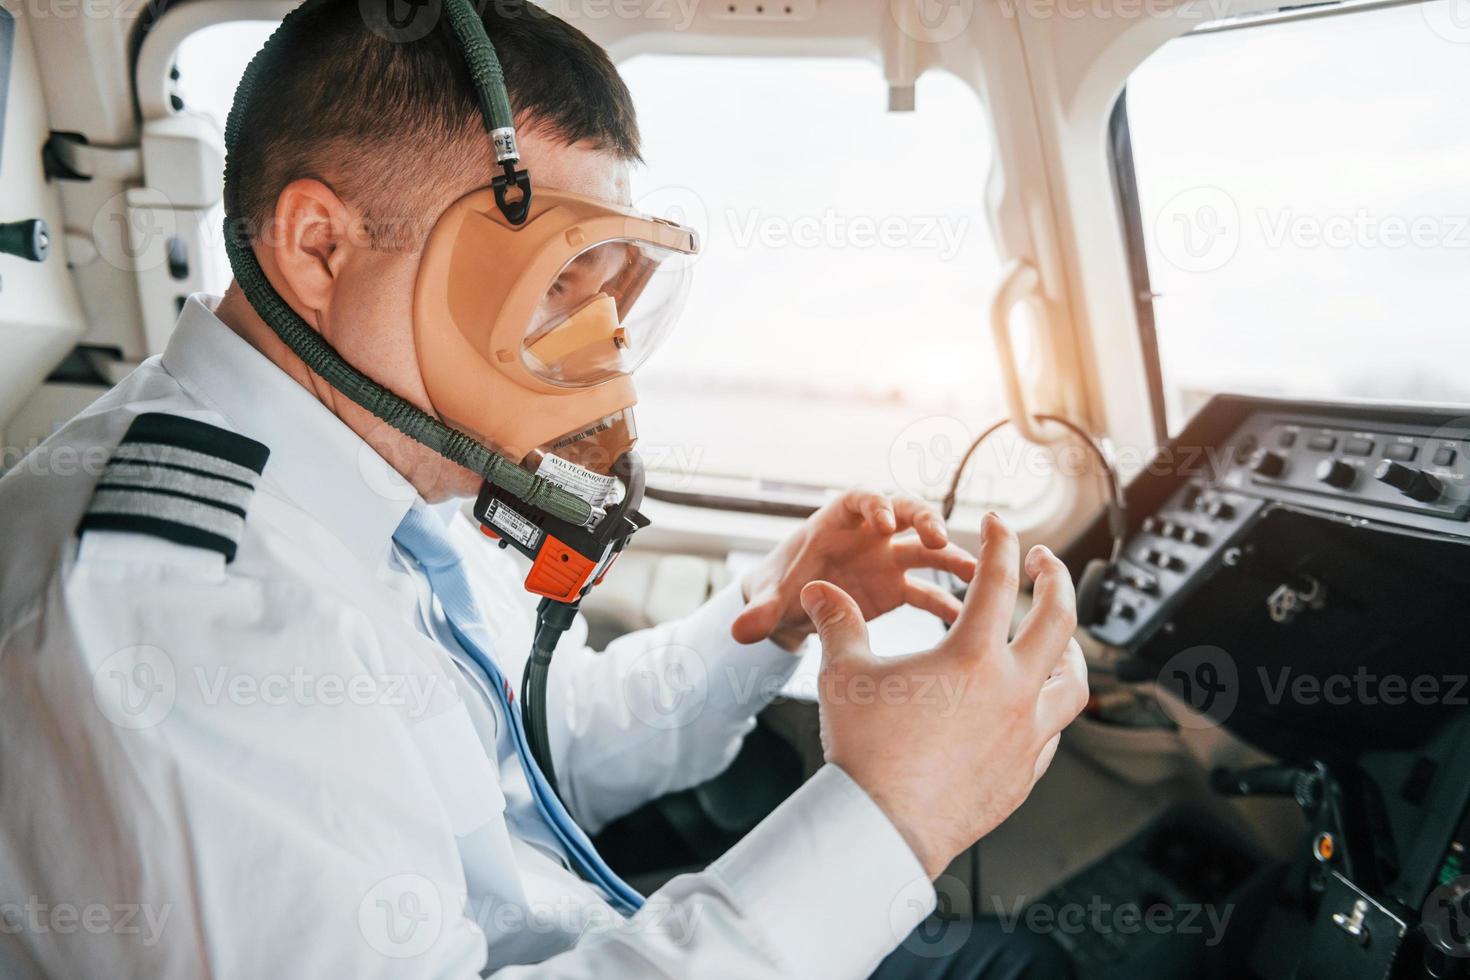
{"x":579,"y":168}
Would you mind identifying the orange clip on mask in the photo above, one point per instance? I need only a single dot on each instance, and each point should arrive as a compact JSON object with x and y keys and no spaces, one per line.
{"x":528,"y":334}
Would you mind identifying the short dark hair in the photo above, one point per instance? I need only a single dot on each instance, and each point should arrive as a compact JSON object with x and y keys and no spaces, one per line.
{"x":386,"y":114}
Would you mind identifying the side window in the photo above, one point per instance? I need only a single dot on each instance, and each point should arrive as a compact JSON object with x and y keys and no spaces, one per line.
{"x":835,"y":333}
{"x":1305,"y":209}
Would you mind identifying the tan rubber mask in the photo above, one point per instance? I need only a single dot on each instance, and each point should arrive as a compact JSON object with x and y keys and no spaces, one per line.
{"x":528,"y":334}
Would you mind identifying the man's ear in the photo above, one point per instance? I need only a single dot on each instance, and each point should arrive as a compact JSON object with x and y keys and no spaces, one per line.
{"x":314,"y":235}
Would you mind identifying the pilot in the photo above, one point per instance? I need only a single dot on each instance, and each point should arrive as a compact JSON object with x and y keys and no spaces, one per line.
{"x":257,"y":710}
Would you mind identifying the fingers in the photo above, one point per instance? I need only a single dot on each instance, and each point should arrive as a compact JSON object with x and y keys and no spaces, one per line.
{"x":1052,"y":620}
{"x":891,"y":514}
{"x":1043,"y":761}
{"x":872,"y":507}
{"x":757,"y":620}
{"x":931,"y":598}
{"x":923,"y":518}
{"x":838,"y":620}
{"x":991,"y":601}
{"x":1064,"y":694}
{"x":911,"y":554}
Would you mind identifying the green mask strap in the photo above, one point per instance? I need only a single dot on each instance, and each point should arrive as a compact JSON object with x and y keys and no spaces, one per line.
{"x":322,"y":358}
{"x":489,"y":81}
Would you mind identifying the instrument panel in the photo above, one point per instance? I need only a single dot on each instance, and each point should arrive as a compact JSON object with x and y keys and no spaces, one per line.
{"x":1404,"y":468}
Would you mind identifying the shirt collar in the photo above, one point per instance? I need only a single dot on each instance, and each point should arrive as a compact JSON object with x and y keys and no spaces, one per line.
{"x":316,"y":461}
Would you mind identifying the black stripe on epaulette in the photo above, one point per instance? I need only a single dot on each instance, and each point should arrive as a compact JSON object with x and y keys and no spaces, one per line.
{"x":155,"y":527}
{"x":175,"y":430}
{"x":178,"y":479}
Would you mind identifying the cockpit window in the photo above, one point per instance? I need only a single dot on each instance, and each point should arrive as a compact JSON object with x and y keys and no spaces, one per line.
{"x":846,"y":270}
{"x":1305,"y":205}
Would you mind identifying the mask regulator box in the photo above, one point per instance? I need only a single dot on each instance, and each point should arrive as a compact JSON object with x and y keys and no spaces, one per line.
{"x":566,"y":559}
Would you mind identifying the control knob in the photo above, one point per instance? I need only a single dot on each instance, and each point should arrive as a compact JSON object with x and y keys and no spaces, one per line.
{"x":1411,"y":482}
{"x":1336,"y":473}
{"x":1267,"y":463}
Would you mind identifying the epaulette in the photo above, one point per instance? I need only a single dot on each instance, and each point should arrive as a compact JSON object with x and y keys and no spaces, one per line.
{"x":180,"y":479}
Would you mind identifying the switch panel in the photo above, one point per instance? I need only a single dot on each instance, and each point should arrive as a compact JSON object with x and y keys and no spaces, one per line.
{"x":1416,"y":468}
{"x":1401,"y":467}
{"x":1172,"y":551}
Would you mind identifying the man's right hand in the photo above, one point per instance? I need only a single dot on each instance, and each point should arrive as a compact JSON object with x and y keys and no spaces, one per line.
{"x":950,"y":741}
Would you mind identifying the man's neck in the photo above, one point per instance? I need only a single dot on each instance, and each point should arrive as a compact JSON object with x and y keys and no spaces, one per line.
{"x":434,"y":477}
{"x":235,"y":312}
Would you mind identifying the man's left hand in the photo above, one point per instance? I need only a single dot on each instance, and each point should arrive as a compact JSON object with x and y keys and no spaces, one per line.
{"x":865,"y":543}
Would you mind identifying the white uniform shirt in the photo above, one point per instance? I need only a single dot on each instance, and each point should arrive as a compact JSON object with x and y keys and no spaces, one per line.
{"x":270,"y":768}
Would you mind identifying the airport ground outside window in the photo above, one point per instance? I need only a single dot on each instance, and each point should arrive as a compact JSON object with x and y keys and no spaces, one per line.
{"x":1305,"y":208}
{"x":835,"y":330}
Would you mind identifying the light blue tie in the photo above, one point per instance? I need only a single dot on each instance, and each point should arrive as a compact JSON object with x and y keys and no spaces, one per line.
{"x":426,"y":540}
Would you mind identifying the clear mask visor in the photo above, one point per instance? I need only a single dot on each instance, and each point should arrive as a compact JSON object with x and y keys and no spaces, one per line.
{"x":609,"y":308}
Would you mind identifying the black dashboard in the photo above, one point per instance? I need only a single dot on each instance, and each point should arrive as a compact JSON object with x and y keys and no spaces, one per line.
{"x":1299,"y":573}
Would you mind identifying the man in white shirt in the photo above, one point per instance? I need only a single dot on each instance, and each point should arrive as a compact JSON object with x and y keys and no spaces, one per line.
{"x":245,"y":731}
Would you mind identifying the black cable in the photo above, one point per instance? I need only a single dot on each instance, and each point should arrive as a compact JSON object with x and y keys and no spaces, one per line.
{"x":552,"y":620}
{"x":1117,"y":508}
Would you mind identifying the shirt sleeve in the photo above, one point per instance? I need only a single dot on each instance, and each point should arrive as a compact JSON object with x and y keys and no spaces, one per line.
{"x":824,"y":887}
{"x":659,"y":710}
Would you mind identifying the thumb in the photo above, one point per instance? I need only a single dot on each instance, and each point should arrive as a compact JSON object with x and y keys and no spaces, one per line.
{"x":838,"y":620}
{"x":758,"y":619}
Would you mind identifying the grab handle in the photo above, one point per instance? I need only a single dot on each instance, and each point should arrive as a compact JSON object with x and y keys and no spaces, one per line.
{"x":1019,"y":283}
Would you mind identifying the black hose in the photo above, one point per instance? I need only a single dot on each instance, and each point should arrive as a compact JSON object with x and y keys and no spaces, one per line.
{"x":552,"y":620}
